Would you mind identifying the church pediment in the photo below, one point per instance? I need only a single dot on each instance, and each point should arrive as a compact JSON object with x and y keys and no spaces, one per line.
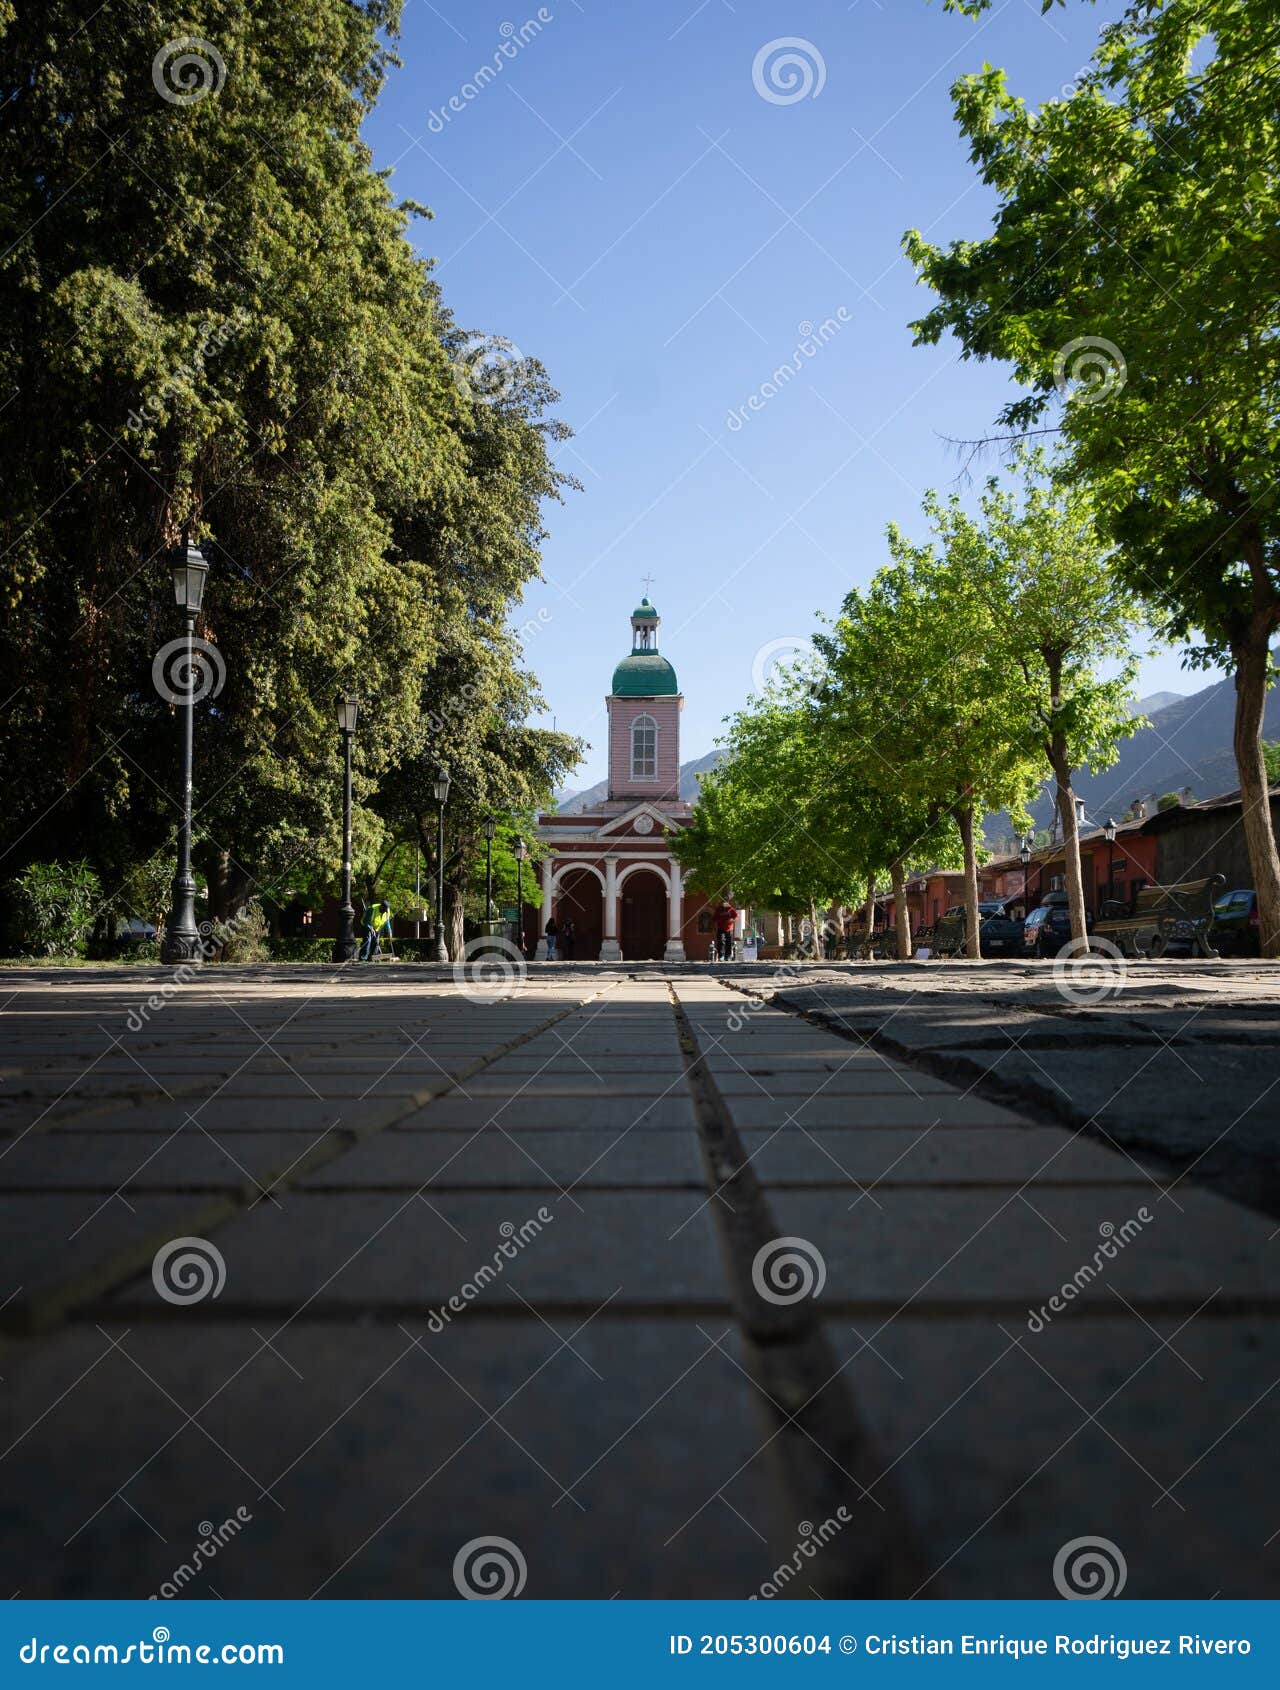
{"x":644,"y":821}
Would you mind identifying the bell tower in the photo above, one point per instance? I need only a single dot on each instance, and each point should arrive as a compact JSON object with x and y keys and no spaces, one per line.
{"x":644,"y":706}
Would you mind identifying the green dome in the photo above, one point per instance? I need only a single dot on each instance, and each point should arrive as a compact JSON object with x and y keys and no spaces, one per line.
{"x":644,"y":675}
{"x":644,"y":608}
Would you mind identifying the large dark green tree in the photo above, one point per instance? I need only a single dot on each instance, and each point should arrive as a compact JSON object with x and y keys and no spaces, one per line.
{"x":210,"y":315}
{"x":1136,"y":248}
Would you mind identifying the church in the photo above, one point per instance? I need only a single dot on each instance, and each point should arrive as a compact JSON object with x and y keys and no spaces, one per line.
{"x":611,"y":871}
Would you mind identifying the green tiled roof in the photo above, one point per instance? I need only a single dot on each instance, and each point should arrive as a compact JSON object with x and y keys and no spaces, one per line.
{"x":644,"y":608}
{"x":644,"y":675}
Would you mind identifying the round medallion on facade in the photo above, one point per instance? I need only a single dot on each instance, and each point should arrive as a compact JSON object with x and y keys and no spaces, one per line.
{"x":644,"y":824}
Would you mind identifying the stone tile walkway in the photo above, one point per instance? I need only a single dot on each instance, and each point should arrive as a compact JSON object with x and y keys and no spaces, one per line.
{"x":666,"y":1278}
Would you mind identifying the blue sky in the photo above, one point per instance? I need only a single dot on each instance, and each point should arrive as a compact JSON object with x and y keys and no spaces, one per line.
{"x":622,"y":201}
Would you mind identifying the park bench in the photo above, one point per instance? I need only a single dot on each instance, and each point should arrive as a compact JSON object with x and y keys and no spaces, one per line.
{"x":1165,"y":915}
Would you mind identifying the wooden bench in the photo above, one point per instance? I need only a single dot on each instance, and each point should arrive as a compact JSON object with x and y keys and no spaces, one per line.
{"x":1162,"y":914}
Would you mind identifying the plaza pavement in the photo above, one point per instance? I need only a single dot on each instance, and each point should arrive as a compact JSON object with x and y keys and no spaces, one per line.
{"x":639,"y":1281}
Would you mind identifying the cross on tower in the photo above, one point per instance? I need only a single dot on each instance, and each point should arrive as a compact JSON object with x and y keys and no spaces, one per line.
{"x":648,"y":582}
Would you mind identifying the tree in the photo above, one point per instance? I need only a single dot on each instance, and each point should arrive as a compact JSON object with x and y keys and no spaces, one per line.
{"x":1062,"y":614}
{"x":764,"y":832}
{"x":1155,"y":180}
{"x":210,"y":315}
{"x":956,"y":654}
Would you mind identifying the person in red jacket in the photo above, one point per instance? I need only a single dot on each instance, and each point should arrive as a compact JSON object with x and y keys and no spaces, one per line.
{"x":726,"y":916}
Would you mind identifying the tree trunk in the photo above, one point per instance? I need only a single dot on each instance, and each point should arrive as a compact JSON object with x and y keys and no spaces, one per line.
{"x":1251,"y":696}
{"x":871,"y":907}
{"x":453,"y":919}
{"x":901,"y":914}
{"x":972,"y":919}
{"x":1066,"y":801}
{"x":814,"y":938}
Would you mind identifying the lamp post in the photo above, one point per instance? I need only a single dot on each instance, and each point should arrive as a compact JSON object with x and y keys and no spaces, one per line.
{"x":1025,"y":857}
{"x":344,"y":946}
{"x":490,"y":828}
{"x":181,"y":936}
{"x":442,"y":798}
{"x":1109,"y":834}
{"x":521,"y":852}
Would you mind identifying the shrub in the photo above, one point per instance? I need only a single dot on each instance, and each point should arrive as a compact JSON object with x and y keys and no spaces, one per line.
{"x":244,"y":937}
{"x":53,"y":908}
{"x":302,"y":950}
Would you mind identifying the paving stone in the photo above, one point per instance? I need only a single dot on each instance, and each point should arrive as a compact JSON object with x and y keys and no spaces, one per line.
{"x":376,"y":1446}
{"x":550,"y":1160}
{"x":86,"y":1243}
{"x":962,"y":1156}
{"x":752,"y":1109}
{"x":185,"y":1159}
{"x":670,"y":1113}
{"x":951,"y":1248}
{"x":398,"y":1251}
{"x":230,"y":1115}
{"x":986,"y":1426}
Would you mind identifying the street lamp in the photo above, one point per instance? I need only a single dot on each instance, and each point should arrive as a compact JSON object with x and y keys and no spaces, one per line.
{"x":347,"y":708}
{"x":521,"y":852}
{"x":442,"y":798}
{"x":1109,"y":831}
{"x":181,"y":936}
{"x":490,"y":828}
{"x":1025,"y":857}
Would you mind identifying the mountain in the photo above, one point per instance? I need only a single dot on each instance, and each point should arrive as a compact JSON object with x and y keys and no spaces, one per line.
{"x":1187,"y":744}
{"x":576,"y":803}
{"x":1157,"y":701}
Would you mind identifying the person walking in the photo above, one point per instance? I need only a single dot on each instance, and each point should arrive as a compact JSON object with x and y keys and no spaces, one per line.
{"x":369,"y":918}
{"x":726,"y":915}
{"x":566,"y":941}
{"x":553,"y":933}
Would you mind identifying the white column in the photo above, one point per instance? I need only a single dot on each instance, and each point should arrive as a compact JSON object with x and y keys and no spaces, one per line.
{"x":610,"y":950}
{"x":675,"y":912}
{"x":548,"y":869}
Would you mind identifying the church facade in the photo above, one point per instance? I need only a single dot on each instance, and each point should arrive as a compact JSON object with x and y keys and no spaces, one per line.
{"x":610,"y":871}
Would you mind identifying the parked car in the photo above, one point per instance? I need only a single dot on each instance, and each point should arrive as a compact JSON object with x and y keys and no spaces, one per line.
{"x":1236,"y":928}
{"x":1047,"y":929}
{"x":135,"y":932}
{"x":999,"y":933}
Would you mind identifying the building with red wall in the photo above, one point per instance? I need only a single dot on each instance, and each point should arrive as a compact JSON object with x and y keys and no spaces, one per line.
{"x":611,"y":871}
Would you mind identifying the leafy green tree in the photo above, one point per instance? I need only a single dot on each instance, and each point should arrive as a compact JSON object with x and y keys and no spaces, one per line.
{"x":1136,"y":246}
{"x":764,"y":833}
{"x":210,"y":315}
{"x":969,"y":686}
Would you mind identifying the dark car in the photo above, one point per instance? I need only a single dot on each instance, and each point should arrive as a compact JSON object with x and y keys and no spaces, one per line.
{"x":1236,"y":927}
{"x":1047,"y":929}
{"x":999,"y":932}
